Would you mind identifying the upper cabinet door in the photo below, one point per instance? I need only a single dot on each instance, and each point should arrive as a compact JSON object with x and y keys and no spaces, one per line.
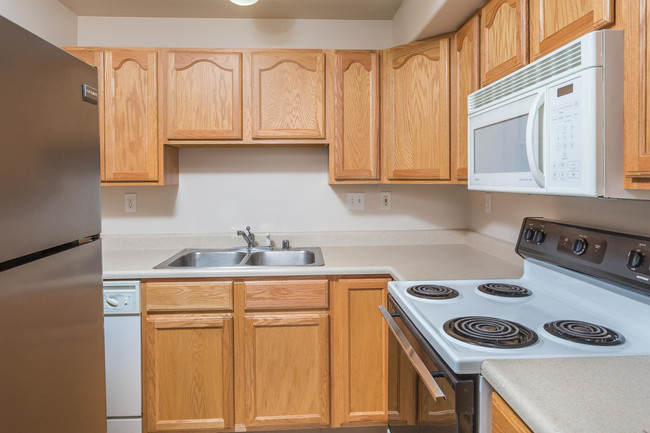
{"x":203,"y":95}
{"x":416,"y":110}
{"x":504,"y":38}
{"x":466,"y":73}
{"x":553,"y":23}
{"x":130,"y":123}
{"x":356,"y":116}
{"x":288,"y":95}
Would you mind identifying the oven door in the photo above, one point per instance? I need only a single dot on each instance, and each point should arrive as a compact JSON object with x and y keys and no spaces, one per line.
{"x":506,"y":146}
{"x":423,"y":394}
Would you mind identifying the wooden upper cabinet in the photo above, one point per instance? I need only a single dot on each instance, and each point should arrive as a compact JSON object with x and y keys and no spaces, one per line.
{"x":288,"y":94}
{"x":554,"y":23}
{"x":504,"y":38}
{"x":203,"y":95}
{"x":355,"y":148}
{"x":416,"y":111}
{"x":465,"y":63}
{"x":130,"y":115}
{"x":287,"y":381}
{"x":95,"y":57}
{"x":189,"y":372}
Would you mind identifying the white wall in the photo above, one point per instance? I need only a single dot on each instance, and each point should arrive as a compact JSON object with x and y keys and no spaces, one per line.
{"x":233,"y":33}
{"x":48,"y":19}
{"x":508,"y":210}
{"x":222,"y":190}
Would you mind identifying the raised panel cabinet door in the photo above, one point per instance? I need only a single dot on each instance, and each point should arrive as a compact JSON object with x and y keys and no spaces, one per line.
{"x":95,"y":57}
{"x":130,"y":116}
{"x":466,"y":73}
{"x":632,"y":17}
{"x":287,"y":380}
{"x":554,"y":23}
{"x":189,"y":372}
{"x":504,"y":419}
{"x":360,"y":346}
{"x":417,"y":139}
{"x":356,"y":115}
{"x":203,"y":95}
{"x":288,"y":95}
{"x":504,"y":38}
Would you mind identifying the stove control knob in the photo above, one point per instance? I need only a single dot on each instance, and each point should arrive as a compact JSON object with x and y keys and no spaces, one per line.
{"x":528,"y":234}
{"x":635,"y":260}
{"x":539,"y":237}
{"x":579,"y":247}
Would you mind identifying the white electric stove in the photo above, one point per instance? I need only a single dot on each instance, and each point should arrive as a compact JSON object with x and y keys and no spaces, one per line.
{"x":584,"y":292}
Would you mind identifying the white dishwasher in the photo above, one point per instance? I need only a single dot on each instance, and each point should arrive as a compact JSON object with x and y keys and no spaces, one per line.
{"x":123,"y":356}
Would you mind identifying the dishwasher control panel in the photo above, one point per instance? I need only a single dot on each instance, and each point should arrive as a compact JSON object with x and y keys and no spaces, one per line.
{"x":121,"y":297}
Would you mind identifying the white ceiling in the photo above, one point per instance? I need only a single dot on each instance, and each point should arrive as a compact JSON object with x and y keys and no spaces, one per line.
{"x":269,"y":9}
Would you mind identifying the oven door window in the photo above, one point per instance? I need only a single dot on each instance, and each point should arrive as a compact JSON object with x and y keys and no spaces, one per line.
{"x":411,"y":406}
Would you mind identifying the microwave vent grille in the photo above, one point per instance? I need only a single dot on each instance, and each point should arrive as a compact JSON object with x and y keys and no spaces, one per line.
{"x":549,"y":66}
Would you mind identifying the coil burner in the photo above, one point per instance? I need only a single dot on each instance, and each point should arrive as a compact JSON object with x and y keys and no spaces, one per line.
{"x":504,"y":290}
{"x":430,"y":291}
{"x":584,"y":333}
{"x":490,"y":332}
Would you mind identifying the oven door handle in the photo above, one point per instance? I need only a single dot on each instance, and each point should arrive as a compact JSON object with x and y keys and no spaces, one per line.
{"x":415,"y":360}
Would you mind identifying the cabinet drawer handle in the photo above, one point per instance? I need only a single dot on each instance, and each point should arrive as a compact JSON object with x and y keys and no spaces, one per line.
{"x":413,"y":357}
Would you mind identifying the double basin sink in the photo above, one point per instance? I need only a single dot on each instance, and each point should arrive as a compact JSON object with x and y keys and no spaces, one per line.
{"x":238,"y":257}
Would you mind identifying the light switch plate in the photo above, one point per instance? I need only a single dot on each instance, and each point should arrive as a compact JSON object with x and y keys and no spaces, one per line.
{"x":384,"y":202}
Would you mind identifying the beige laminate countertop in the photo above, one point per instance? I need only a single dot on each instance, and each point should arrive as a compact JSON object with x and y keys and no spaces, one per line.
{"x":402,"y":262}
{"x":576,"y":395}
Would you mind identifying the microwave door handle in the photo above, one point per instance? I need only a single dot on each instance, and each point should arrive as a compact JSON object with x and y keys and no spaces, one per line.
{"x":538,"y":175}
{"x":414,"y":359}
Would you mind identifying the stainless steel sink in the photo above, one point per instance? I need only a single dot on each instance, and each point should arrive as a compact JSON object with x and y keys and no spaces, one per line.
{"x":223,"y":258}
{"x":282,"y":258}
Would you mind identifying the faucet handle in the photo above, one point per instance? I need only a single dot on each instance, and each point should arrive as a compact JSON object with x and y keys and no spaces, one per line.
{"x":268,"y":240}
{"x":285,"y":244}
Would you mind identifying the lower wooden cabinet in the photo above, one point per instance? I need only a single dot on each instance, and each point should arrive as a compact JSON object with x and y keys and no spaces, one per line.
{"x":504,"y":419}
{"x":359,"y":352}
{"x":255,"y":354}
{"x":287,"y":369}
{"x":189,"y":372}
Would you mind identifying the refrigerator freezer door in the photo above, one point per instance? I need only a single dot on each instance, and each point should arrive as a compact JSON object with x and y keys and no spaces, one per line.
{"x":51,"y":335}
{"x":49,"y":146}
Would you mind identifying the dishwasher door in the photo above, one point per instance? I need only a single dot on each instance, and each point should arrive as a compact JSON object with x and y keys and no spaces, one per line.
{"x":123,"y":356}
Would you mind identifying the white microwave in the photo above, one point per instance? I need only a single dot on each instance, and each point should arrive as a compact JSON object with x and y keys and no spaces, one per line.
{"x":549,"y":127}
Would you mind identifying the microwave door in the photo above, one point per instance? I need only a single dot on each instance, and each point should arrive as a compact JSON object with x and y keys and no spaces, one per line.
{"x":500,"y":141}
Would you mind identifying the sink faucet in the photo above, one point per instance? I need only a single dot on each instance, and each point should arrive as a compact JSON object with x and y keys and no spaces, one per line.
{"x":249,"y":238}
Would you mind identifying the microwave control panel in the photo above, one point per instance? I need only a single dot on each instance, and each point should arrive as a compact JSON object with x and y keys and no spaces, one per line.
{"x":565,"y":135}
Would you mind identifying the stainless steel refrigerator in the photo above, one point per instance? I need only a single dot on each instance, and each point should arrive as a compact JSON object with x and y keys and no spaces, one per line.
{"x":51,"y":314}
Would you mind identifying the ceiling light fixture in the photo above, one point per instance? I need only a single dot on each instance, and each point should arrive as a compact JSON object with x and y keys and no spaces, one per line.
{"x":244,"y":2}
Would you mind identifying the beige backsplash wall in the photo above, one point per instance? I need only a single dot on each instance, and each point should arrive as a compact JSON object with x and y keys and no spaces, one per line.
{"x":277,"y":189}
{"x":508,"y":210}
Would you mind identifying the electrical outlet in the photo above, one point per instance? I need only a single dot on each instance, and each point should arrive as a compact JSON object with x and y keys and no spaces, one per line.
{"x":356,"y":200}
{"x":384,"y":202}
{"x":130,"y":203}
{"x":488,"y":203}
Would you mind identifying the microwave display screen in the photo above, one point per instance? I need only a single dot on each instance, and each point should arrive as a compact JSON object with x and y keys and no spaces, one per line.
{"x":565,"y":90}
{"x":501,"y":147}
